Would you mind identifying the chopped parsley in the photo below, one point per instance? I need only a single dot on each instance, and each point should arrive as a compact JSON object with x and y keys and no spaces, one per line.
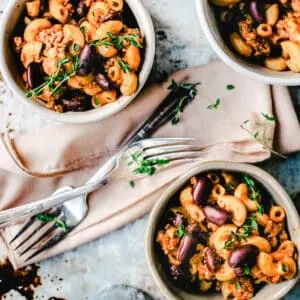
{"x":230,"y":87}
{"x":268,"y":118}
{"x":46,"y":218}
{"x":82,"y":29}
{"x":76,"y":47}
{"x":215,"y":105}
{"x":238,"y":285}
{"x":284,"y":268}
{"x":180,"y":231}
{"x":124,"y":66}
{"x":132,"y":183}
{"x":246,"y":270}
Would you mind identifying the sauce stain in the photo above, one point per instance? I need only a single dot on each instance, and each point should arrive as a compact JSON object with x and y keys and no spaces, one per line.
{"x":23,"y":281}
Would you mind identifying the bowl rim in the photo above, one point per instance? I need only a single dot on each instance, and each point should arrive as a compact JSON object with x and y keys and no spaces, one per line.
{"x":174,"y":187}
{"x":147,"y":28}
{"x":232,"y":61}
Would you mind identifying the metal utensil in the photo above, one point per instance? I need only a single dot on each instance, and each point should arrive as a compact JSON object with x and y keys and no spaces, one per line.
{"x":72,"y":212}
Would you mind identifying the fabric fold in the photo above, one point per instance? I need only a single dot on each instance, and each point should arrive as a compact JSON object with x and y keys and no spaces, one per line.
{"x":35,"y":164}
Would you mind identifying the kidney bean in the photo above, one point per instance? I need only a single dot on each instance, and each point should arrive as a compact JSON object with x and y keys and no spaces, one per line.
{"x":86,"y":60}
{"x":178,"y":219}
{"x":199,"y":235}
{"x":257,"y":10}
{"x":216,"y":215}
{"x":212,"y":259}
{"x":102,"y":81}
{"x":187,"y":248}
{"x":245,"y":254}
{"x":35,"y":76}
{"x":202,"y":190}
{"x":112,"y":16}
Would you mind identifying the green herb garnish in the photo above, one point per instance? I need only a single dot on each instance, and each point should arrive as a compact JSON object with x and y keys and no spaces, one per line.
{"x":180,"y":231}
{"x":146,"y":166}
{"x":46,"y":218}
{"x":247,"y":229}
{"x":230,"y":87}
{"x":246,"y":270}
{"x":268,"y":118}
{"x":76,"y":47}
{"x":82,"y":29}
{"x":132,"y":183}
{"x":186,"y":99}
{"x":254,"y":194}
{"x":133,"y":39}
{"x":284,"y":268}
{"x":215,"y":105}
{"x":124,"y":66}
{"x":238,"y":285}
{"x":55,"y":81}
{"x":103,"y":42}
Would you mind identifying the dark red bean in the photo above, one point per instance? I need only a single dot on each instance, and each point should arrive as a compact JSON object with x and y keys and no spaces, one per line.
{"x":112,"y":16}
{"x":82,"y":9}
{"x":202,"y":191}
{"x":212,"y":259}
{"x":186,"y":248}
{"x":216,"y":215}
{"x":86,"y":60}
{"x":245,"y":254}
{"x":257,"y":10}
{"x":35,"y":76}
{"x":102,"y":81}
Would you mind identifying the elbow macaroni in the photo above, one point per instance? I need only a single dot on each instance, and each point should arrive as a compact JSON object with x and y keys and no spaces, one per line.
{"x":276,"y":254}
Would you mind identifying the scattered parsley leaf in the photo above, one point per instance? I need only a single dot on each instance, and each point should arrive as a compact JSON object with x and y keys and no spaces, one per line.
{"x":180,"y":231}
{"x":124,"y":66}
{"x":46,"y":218}
{"x":284,"y":268}
{"x":132,"y":183}
{"x":191,"y":92}
{"x":146,"y":166}
{"x":246,"y":270}
{"x":96,"y":101}
{"x":82,"y":29}
{"x":256,"y":134}
{"x":76,"y":47}
{"x":268,"y":118}
{"x":230,"y":87}
{"x":238,"y":285}
{"x":215,"y":105}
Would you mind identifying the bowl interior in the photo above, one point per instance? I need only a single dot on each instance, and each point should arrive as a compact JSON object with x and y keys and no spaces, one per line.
{"x":210,"y":27}
{"x":280,"y":197}
{"x":14,"y":80}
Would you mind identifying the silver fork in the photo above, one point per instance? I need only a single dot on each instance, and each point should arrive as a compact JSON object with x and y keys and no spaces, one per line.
{"x":38,"y":235}
{"x":74,"y":208}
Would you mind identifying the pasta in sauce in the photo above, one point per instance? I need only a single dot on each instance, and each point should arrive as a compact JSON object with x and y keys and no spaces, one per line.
{"x":78,"y":55}
{"x":223,"y":233}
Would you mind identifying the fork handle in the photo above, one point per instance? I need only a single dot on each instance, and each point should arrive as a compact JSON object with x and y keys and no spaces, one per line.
{"x":13,"y":215}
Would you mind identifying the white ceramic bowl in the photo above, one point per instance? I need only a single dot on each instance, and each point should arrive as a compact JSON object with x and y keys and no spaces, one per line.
{"x":270,"y":291}
{"x":209,"y":26}
{"x":15,"y":83}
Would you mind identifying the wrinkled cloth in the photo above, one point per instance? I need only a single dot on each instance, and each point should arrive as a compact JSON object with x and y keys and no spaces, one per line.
{"x":35,"y":164}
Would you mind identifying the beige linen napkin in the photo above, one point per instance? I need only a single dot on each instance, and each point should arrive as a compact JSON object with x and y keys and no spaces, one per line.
{"x":36,"y":164}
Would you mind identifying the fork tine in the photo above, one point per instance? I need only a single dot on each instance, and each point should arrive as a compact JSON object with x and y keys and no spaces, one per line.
{"x":164,"y":150}
{"x":182,"y":156}
{"x":30,"y":236}
{"x":51,"y":229}
{"x":157,"y":142}
{"x":23,"y":229}
{"x":55,"y":239}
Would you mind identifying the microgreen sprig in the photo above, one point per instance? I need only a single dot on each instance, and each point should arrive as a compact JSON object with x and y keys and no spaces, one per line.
{"x":133,"y":39}
{"x":124,"y":66}
{"x":46,"y":218}
{"x":186,"y":99}
{"x":146,"y":166}
{"x":247,"y":229}
{"x":180,"y":231}
{"x":55,"y":81}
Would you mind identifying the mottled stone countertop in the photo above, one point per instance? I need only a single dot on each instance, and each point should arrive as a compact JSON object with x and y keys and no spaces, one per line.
{"x":119,"y":257}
